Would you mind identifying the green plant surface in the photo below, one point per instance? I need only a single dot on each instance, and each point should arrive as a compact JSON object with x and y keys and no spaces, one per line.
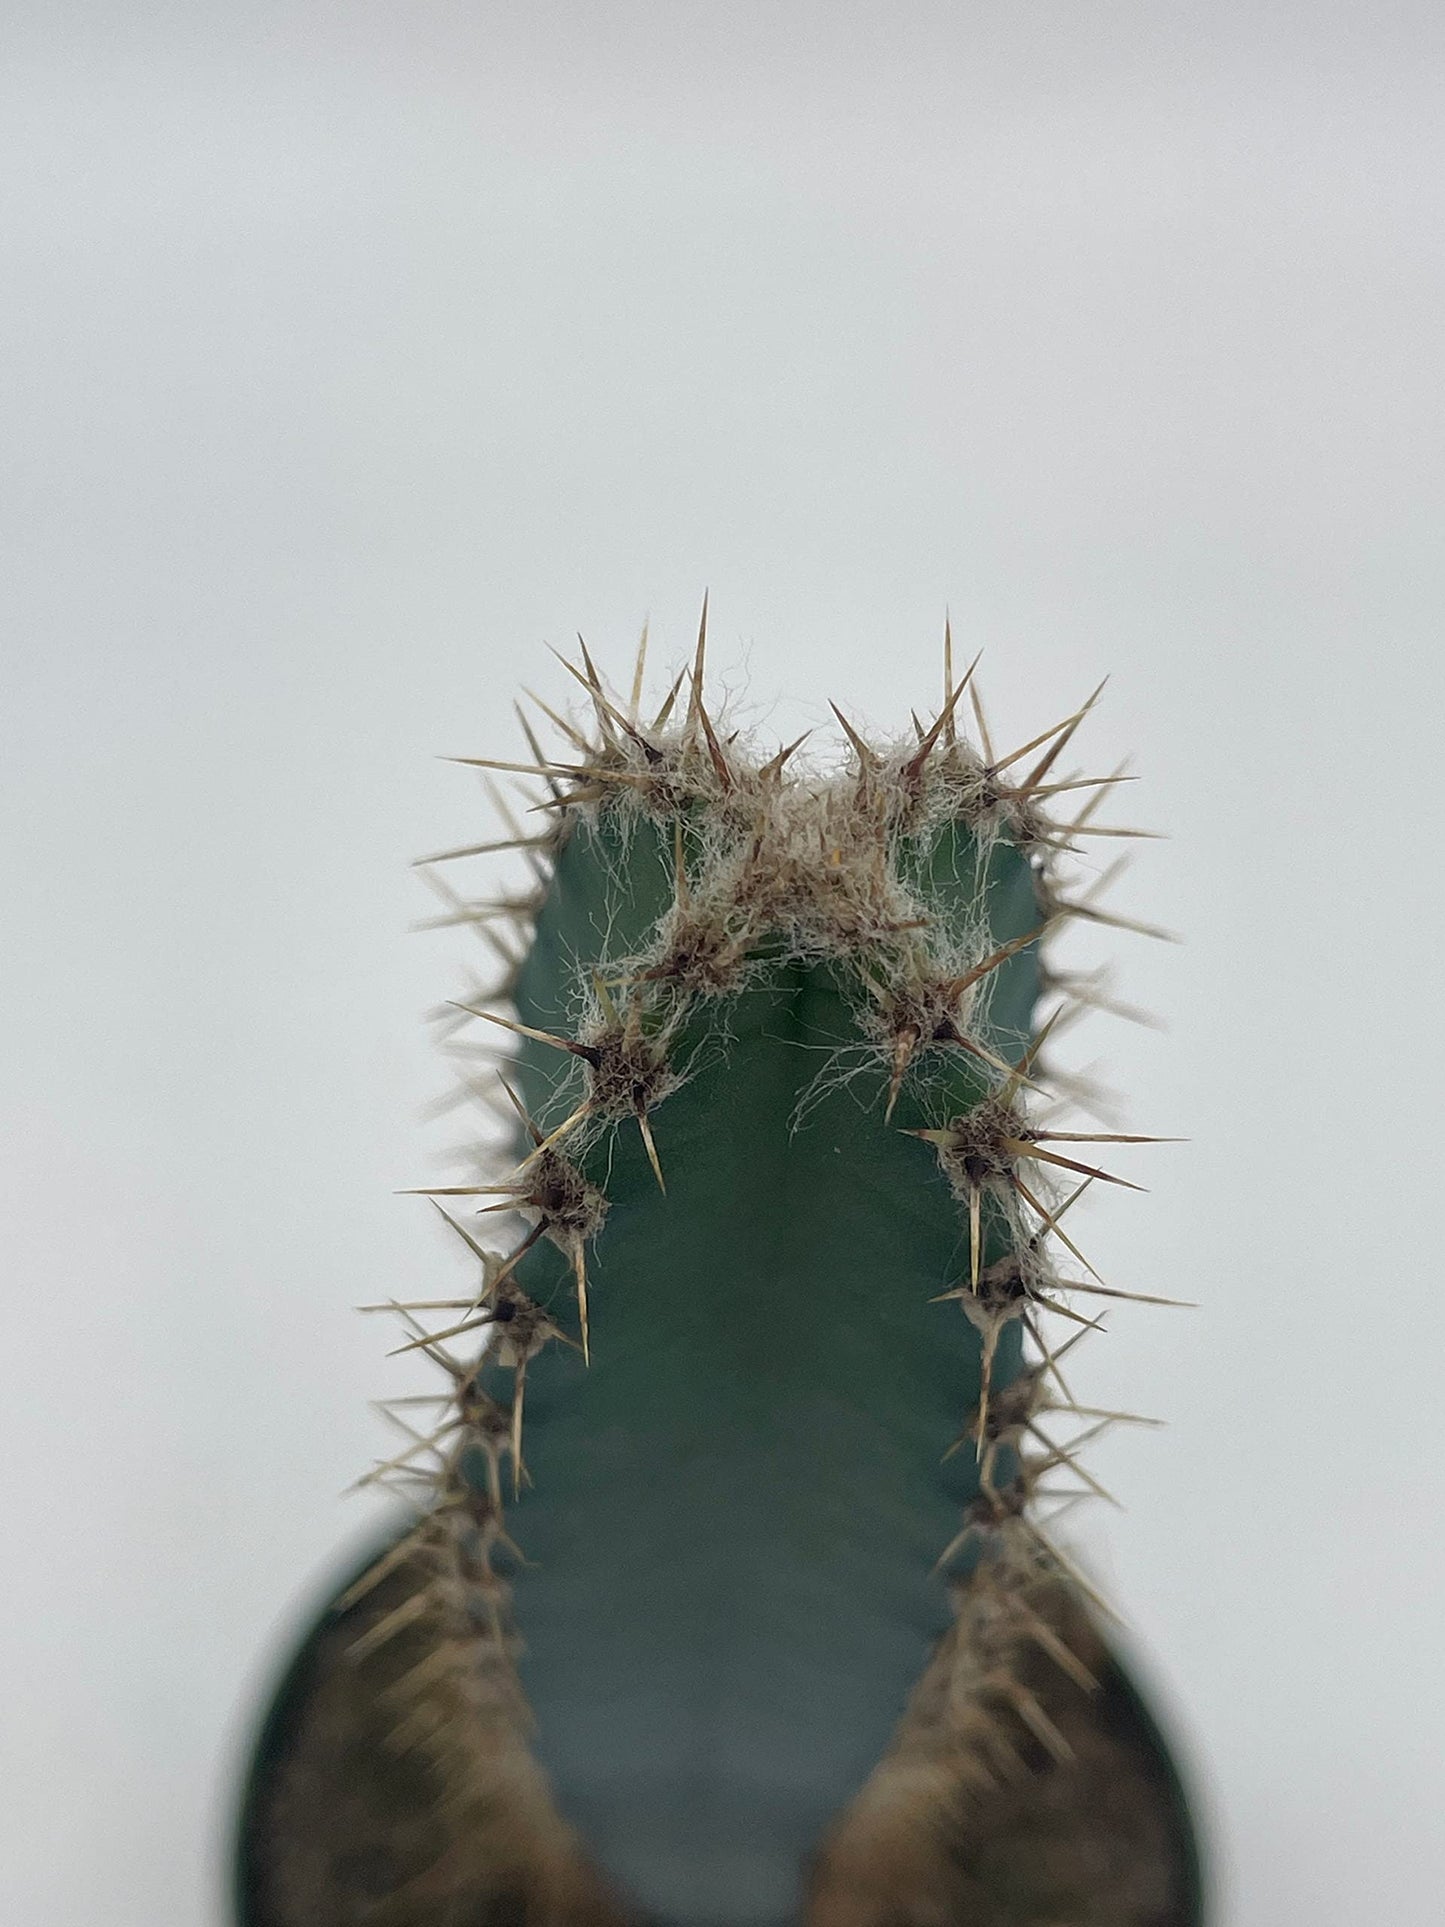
{"x":738,"y":1506}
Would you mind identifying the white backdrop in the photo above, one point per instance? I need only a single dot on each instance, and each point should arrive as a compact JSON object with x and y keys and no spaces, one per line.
{"x":350,"y":354}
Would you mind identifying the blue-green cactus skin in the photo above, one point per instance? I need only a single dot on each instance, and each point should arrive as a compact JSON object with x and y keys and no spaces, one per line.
{"x":737,"y":1509}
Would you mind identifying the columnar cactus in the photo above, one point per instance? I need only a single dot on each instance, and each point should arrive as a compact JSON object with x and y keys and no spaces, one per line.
{"x":730,"y":1597}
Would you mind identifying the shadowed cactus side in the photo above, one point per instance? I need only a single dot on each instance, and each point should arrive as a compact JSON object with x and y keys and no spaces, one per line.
{"x":730,"y":1599}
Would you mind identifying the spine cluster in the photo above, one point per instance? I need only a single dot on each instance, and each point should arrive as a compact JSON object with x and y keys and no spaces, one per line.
{"x":886,"y":875}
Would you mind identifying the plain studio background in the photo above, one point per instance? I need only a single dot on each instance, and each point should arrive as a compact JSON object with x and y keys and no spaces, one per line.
{"x":352,"y":352}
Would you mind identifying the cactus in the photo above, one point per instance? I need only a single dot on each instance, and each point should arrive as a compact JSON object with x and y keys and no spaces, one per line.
{"x":729,"y":1597}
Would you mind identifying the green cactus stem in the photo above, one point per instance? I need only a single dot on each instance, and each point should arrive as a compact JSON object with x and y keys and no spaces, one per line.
{"x":730,"y":1599}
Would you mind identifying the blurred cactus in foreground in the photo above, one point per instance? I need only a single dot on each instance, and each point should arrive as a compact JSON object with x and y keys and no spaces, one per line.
{"x":729,"y":1596}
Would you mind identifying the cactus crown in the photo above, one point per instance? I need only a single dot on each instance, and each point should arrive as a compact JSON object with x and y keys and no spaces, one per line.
{"x":762,"y":1385}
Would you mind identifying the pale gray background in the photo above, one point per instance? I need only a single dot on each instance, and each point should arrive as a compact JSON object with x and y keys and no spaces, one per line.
{"x":352,"y":351}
